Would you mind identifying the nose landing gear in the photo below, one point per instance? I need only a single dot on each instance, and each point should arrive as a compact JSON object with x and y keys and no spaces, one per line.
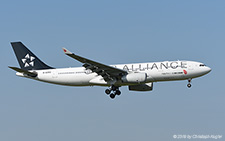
{"x":189,"y":83}
{"x":115,"y":90}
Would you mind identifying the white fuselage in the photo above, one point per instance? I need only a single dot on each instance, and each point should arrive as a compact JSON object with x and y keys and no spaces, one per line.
{"x":156,"y":71}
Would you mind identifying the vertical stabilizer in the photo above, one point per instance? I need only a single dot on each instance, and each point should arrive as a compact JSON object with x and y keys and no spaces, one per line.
{"x":27,"y":60}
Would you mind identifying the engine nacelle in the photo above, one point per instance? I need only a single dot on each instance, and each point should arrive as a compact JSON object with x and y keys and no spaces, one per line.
{"x":141,"y":87}
{"x":134,"y":78}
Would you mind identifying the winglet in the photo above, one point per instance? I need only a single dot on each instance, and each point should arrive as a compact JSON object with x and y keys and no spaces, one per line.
{"x":66,"y":51}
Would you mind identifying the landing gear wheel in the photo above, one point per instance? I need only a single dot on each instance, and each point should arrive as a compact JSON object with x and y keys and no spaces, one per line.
{"x":107,"y":91}
{"x":112,"y":96}
{"x":189,"y":85}
{"x":117,"y":92}
{"x":114,"y":90}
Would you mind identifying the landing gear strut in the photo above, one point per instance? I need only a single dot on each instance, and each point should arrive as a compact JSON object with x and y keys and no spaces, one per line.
{"x":115,"y":92}
{"x":189,"y":83}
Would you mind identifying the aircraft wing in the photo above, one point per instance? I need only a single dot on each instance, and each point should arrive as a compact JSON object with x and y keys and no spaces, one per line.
{"x":107,"y":72}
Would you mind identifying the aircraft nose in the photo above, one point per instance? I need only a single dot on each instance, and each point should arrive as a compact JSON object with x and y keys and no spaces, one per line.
{"x":207,"y":70}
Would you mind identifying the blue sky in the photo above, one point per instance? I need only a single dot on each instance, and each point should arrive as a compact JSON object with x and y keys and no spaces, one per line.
{"x":112,"y":32}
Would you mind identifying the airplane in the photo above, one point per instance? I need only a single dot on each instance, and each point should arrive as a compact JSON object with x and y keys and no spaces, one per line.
{"x":137,"y":76}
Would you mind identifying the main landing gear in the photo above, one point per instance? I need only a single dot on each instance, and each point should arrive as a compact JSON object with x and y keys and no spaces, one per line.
{"x":115,"y":92}
{"x":189,"y":83}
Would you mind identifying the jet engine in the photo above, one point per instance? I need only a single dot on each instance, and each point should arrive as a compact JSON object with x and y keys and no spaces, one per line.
{"x":141,"y":87}
{"x":134,"y":78}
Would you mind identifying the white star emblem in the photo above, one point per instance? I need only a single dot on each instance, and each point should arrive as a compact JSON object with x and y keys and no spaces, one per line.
{"x":28,"y":60}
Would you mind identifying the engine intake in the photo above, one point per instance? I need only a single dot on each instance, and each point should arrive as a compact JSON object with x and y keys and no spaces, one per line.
{"x":134,"y":78}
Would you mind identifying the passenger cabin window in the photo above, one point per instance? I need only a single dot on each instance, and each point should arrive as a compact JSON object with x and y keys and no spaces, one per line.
{"x":201,"y":65}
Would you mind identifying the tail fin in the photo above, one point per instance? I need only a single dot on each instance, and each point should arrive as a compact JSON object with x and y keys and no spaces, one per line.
{"x":26,"y":59}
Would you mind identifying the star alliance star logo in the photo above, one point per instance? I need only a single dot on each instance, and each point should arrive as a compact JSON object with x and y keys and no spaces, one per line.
{"x":28,"y":61}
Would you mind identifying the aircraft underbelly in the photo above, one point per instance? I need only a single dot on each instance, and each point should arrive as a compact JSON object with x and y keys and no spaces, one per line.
{"x":68,"y":79}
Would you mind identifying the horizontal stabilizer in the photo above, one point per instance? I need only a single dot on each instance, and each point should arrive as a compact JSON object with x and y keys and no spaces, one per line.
{"x":32,"y":74}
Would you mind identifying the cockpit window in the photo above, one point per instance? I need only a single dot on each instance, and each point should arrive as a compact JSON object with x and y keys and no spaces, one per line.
{"x":202,"y":65}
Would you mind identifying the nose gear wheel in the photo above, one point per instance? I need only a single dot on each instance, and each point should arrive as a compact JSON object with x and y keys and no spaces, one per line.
{"x":189,"y":83}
